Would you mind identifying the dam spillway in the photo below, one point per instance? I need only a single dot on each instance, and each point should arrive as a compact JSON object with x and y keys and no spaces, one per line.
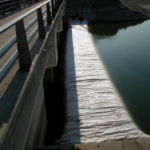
{"x":95,"y":111}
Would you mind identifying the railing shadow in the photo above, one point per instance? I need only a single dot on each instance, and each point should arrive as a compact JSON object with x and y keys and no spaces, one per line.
{"x":8,"y":99}
{"x":73,"y":119}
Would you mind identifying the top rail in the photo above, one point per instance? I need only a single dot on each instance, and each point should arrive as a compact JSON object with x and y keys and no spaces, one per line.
{"x":8,"y":63}
{"x":13,"y":22}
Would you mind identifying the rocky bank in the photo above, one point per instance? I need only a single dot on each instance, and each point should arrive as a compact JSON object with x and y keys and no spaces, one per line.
{"x":102,"y":11}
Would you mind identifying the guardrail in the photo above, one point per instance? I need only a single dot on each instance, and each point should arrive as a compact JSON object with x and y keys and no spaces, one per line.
{"x":8,"y":6}
{"x":26,"y":126}
{"x":21,"y":39}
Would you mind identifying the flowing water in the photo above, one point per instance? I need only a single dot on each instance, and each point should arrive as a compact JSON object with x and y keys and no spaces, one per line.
{"x":107,"y":66}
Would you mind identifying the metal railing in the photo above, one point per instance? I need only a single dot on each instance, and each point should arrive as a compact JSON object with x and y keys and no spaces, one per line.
{"x":8,"y":6}
{"x":20,"y":37}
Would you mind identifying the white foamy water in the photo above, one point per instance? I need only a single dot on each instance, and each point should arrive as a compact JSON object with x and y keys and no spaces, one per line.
{"x":94,"y":111}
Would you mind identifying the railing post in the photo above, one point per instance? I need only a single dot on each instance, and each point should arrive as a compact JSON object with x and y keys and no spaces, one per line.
{"x":49,"y":17}
{"x":17,"y":4}
{"x":23,"y":50}
{"x":53,"y":8}
{"x":41,"y":27}
{"x":55,"y":1}
{"x":57,"y":4}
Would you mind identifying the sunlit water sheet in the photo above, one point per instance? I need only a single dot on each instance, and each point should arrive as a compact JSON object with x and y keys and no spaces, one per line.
{"x":95,"y":111}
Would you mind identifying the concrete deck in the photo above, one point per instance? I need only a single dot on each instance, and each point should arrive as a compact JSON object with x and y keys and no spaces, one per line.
{"x":125,"y":144}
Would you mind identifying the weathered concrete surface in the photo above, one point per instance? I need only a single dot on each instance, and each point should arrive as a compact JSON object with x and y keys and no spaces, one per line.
{"x":124,"y":144}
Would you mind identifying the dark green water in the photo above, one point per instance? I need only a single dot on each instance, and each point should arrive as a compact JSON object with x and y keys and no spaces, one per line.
{"x":125,"y":51}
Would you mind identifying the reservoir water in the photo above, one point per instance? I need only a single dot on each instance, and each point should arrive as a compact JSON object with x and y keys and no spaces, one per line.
{"x":107,"y":82}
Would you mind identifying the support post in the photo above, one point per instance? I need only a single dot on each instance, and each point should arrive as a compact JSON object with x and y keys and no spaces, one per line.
{"x":55,"y":46}
{"x":57,"y":4}
{"x":53,"y":8}
{"x":41,"y":27}
{"x":60,"y":1}
{"x":23,"y":50}
{"x":49,"y":17}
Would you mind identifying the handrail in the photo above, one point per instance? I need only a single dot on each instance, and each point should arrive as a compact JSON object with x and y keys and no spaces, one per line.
{"x":22,"y":40}
{"x":7,"y":46}
{"x":13,"y":22}
{"x":28,"y":115}
{"x":14,"y":56}
{"x":12,"y":41}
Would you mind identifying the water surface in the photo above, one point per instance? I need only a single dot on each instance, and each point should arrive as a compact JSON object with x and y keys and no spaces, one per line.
{"x":126,"y":55}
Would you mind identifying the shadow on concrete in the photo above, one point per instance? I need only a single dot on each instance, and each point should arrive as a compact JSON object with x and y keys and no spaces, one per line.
{"x":61,"y":96}
{"x":8,"y":100}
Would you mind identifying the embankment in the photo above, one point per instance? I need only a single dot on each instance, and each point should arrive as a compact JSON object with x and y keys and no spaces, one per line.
{"x":95,"y":10}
